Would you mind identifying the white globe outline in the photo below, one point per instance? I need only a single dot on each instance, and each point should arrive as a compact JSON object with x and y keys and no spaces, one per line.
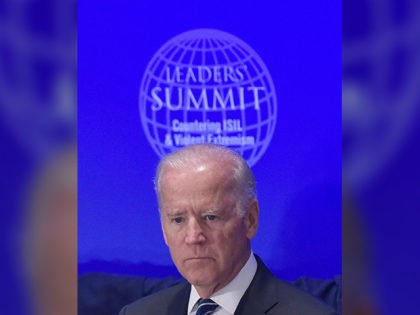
{"x":217,"y":44}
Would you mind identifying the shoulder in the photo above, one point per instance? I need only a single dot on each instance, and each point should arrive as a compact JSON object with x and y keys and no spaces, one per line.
{"x":297,"y":301}
{"x":156,"y":303}
{"x":282,"y":297}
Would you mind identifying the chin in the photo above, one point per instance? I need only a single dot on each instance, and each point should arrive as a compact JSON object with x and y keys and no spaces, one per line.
{"x":199,"y":280}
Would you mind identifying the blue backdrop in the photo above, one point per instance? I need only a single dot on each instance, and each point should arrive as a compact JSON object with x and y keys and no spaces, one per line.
{"x":299,"y":176}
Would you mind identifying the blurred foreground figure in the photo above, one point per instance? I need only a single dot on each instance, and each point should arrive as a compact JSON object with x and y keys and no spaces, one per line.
{"x":381,"y":98}
{"x":50,"y":251}
{"x":358,"y":296}
{"x":209,"y":214}
{"x":38,"y":100}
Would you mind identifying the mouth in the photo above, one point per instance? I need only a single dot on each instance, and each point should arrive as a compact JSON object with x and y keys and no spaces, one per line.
{"x":200,"y":258}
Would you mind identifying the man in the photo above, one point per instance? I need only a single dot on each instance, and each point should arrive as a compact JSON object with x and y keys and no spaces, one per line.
{"x":209,"y":214}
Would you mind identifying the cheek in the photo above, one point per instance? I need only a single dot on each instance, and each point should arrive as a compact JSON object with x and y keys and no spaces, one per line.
{"x":232,"y":239}
{"x":234,"y":231}
{"x":174,"y":240}
{"x":169,"y":233}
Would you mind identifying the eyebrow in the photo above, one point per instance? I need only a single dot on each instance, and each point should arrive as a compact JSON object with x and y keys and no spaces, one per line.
{"x":214,"y":211}
{"x":175,"y":213}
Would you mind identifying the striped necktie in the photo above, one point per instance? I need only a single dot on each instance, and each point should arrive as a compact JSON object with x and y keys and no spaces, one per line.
{"x":206,"y":307}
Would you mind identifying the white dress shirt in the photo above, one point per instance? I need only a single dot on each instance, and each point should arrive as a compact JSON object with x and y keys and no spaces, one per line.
{"x":228,"y":297}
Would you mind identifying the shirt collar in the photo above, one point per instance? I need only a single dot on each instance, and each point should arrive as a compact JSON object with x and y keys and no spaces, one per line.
{"x":229,"y":296}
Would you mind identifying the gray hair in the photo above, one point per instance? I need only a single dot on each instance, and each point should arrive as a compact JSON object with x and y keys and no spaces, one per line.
{"x":198,"y":154}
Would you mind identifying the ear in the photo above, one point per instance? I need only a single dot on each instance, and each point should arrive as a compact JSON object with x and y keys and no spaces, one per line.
{"x":251,"y":219}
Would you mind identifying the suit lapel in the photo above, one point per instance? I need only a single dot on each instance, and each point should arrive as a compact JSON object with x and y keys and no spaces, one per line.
{"x":258,"y":298}
{"x":179,"y":305}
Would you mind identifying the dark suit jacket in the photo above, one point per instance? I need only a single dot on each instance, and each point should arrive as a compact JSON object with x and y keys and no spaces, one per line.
{"x":266,"y":295}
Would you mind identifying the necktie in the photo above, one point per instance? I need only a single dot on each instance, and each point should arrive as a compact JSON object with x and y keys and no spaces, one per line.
{"x":206,"y":307}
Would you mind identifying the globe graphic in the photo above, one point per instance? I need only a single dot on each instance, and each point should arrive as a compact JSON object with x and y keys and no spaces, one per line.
{"x":208,"y":86}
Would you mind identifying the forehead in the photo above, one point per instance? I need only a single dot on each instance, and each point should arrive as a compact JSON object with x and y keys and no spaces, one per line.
{"x":214,"y":171}
{"x":197,"y":181}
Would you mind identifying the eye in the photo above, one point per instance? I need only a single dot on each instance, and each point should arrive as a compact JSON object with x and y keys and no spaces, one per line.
{"x":178,"y":220}
{"x":210,"y":217}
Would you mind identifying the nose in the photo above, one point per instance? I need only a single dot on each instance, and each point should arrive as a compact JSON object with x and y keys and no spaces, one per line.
{"x":194,"y":234}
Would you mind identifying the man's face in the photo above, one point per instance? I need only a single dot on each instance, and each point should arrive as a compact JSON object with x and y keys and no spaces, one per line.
{"x":207,"y":236}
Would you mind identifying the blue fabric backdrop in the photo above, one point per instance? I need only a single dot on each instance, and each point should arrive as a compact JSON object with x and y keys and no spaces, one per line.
{"x":298,"y":178}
